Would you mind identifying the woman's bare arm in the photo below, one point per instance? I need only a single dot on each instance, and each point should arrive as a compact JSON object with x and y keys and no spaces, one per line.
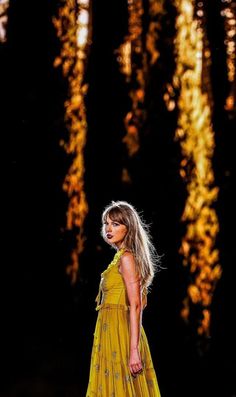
{"x":132,"y":283}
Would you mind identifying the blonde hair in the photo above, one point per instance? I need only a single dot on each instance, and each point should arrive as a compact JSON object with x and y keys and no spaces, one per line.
{"x":137,"y":239}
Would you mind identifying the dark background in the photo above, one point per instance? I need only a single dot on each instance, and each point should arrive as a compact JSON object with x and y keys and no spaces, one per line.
{"x":48,"y":324}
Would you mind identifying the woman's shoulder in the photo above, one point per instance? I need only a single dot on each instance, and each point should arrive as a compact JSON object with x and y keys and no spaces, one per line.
{"x":127,"y":263}
{"x":127,"y":256}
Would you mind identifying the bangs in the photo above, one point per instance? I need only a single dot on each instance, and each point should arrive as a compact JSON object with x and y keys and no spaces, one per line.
{"x":115,"y":214}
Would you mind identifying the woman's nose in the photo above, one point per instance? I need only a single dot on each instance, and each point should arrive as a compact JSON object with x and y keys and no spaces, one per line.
{"x":108,"y":228}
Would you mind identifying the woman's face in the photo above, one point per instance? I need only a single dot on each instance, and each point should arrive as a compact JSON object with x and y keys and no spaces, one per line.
{"x":115,"y":232}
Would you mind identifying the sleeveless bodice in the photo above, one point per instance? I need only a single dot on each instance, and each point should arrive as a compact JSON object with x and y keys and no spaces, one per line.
{"x":112,"y":290}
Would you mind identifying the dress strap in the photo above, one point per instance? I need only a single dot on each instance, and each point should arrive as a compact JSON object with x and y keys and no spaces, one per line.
{"x":117,"y":257}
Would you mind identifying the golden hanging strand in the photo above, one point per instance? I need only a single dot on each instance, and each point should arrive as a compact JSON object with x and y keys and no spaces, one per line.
{"x":132,"y":59}
{"x":72,"y":27}
{"x":228,"y":12}
{"x":134,"y":64}
{"x":156,"y":11}
{"x":206,"y":53}
{"x":196,"y":138}
{"x":4,"y":4}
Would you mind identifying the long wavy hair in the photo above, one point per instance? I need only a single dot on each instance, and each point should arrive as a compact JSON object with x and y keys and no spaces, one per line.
{"x":137,"y":240}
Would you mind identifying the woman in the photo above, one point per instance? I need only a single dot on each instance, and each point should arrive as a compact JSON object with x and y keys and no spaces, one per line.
{"x":121,"y":363}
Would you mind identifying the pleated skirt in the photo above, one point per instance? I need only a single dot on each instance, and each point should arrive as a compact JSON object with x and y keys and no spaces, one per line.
{"x":110,"y":375}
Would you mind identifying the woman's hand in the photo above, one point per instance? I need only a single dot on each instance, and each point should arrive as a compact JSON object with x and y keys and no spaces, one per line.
{"x":135,"y":363}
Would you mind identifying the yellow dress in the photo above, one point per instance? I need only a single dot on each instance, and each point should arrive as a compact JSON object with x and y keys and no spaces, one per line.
{"x":110,"y":375}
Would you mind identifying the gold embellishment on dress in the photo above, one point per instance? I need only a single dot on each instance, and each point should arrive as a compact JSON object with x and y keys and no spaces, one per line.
{"x":105,"y":326}
{"x":127,"y":378}
{"x":114,"y":354}
{"x":117,"y":375}
{"x":106,"y":372}
{"x":150,"y":382}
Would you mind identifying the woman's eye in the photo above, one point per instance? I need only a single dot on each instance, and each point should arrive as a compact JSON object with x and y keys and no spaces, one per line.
{"x":115,"y":224}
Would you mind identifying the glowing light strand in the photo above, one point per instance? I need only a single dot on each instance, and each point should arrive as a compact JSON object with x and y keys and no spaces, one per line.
{"x":136,"y":55}
{"x":156,"y":11}
{"x":132,"y":58}
{"x":206,"y":52}
{"x":228,"y":12}
{"x":197,"y":144}
{"x":4,"y":4}
{"x":72,"y":27}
